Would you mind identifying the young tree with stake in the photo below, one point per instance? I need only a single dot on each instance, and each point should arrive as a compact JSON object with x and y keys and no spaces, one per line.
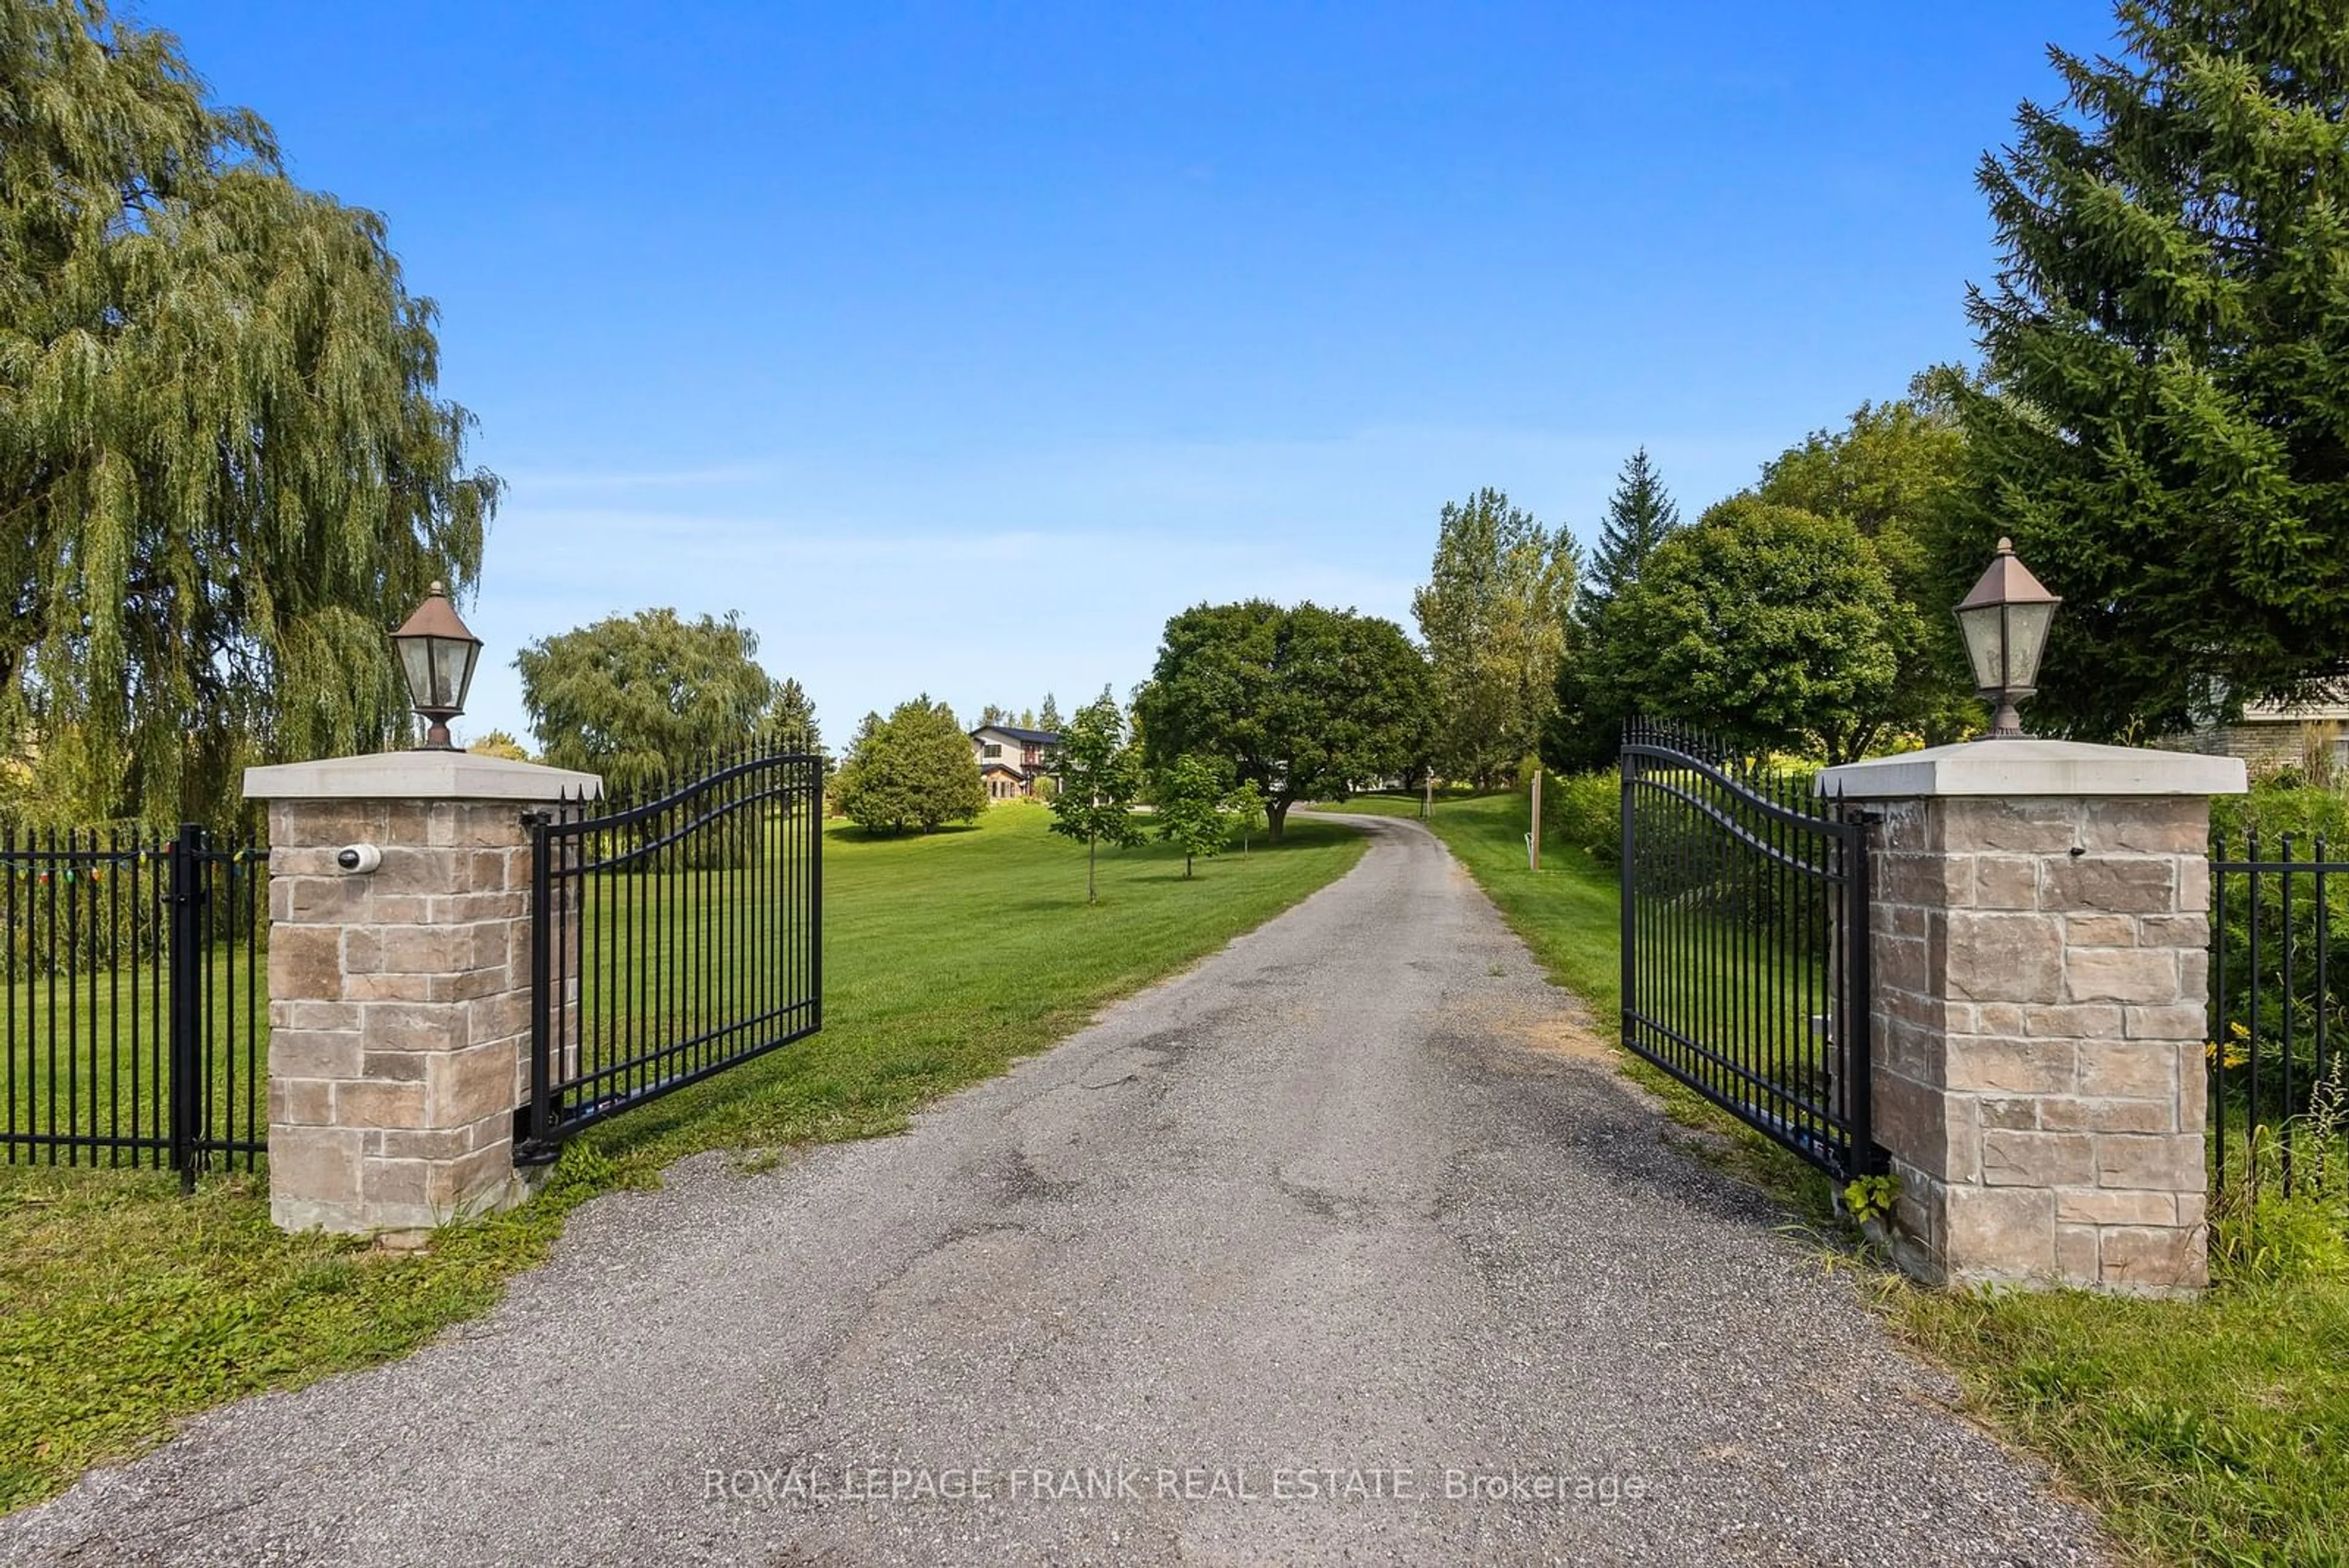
{"x":1098,"y":777}
{"x":1246,"y":805}
{"x":1190,"y":801}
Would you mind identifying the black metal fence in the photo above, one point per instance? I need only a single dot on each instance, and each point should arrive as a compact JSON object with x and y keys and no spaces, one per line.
{"x":135,"y":1026}
{"x":671,"y":939}
{"x":2279,"y":1101}
{"x":1745,"y":942}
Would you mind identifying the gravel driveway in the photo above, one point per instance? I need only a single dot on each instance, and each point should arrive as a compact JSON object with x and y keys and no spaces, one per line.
{"x":1347,"y":1246}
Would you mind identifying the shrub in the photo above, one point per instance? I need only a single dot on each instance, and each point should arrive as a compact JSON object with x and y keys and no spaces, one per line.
{"x":913,"y":769}
{"x":2280,"y":803}
{"x":1586,"y":811}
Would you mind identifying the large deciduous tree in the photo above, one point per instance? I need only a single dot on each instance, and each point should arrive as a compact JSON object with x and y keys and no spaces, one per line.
{"x":1773,"y":626}
{"x":1887,"y":472}
{"x":633,"y":697}
{"x":1893,"y":473}
{"x":2166,"y":434}
{"x":1098,"y":777}
{"x":1493,"y":615}
{"x":225,"y":471}
{"x":913,"y":769}
{"x":500,"y":744}
{"x":1307,"y":703}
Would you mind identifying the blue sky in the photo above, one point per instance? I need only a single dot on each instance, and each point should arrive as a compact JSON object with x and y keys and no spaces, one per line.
{"x":957,"y":346}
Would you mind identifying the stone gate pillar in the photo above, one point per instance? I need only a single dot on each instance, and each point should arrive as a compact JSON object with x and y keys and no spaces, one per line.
{"x":2039,"y":939}
{"x":399,"y":983}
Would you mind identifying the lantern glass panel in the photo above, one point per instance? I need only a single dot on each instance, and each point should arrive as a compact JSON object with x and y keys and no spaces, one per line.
{"x":453,"y":667}
{"x":1985,"y":644}
{"x":2026,"y":640}
{"x":416,"y":666}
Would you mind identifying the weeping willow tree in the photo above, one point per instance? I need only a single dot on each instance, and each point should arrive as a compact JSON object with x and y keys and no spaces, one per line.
{"x":224,"y":473}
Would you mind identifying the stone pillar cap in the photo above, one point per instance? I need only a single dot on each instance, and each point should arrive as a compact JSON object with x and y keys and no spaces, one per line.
{"x":419,"y":775}
{"x":2031,"y":767}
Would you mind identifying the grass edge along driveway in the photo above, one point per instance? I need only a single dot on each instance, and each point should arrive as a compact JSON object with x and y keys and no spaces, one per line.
{"x":124,"y":1308}
{"x":2210,"y":1431}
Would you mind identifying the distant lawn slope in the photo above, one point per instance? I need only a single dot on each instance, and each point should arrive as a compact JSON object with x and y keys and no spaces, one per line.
{"x":123,"y":1307}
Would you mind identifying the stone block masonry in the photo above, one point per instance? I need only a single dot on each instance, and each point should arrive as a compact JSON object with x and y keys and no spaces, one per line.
{"x":2040,"y":975}
{"x":399,"y":997}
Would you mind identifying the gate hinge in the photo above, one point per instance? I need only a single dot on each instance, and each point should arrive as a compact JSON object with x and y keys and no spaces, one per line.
{"x":529,"y":1151}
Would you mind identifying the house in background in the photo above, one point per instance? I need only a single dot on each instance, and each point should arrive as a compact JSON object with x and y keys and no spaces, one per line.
{"x":1010,"y":759}
{"x":2270,"y":735}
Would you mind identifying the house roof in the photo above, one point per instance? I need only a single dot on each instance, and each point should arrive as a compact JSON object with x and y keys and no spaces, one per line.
{"x":1025,"y":737}
{"x":2299,"y":713}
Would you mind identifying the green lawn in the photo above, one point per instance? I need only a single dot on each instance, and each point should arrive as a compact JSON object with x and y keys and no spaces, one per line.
{"x":123,"y":1307}
{"x":2209,"y":1431}
{"x":87,"y":1053}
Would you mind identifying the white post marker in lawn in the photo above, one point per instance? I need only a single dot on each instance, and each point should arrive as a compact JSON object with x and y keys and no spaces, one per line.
{"x":399,"y":983}
{"x":1533,"y":833}
{"x":2039,"y":940}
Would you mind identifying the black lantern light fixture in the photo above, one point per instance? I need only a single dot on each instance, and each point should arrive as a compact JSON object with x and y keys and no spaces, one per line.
{"x":437,"y":655}
{"x":2006,"y":622}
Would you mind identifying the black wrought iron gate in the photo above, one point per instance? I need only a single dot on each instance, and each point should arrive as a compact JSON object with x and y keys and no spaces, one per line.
{"x":1745,"y":943}
{"x":670,"y":941}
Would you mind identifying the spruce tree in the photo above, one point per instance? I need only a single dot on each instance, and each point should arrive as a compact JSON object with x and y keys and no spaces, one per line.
{"x":1638,"y":514}
{"x":2165,"y":435}
{"x":791,"y":723}
{"x":1586,"y":716}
